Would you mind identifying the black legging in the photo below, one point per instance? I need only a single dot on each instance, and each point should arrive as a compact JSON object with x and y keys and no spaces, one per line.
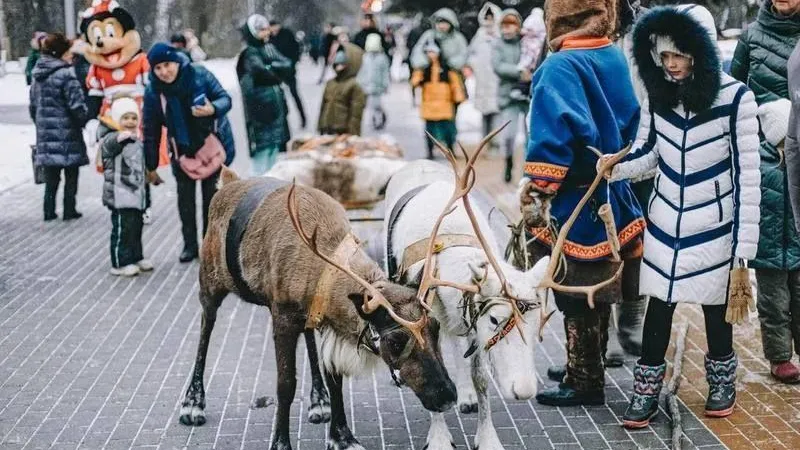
{"x":658,"y":322}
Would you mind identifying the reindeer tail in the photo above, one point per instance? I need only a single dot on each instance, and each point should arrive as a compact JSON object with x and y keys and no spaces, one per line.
{"x":226,"y":176}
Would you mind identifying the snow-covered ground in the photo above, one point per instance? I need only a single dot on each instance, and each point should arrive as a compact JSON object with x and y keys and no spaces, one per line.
{"x":12,"y":86}
{"x":15,"y":154}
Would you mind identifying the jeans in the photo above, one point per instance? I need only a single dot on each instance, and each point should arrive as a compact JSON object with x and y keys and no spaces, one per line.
{"x":187,"y":208}
{"x":126,"y":237}
{"x":443,"y":131}
{"x":52,"y":180}
{"x":779,"y":312}
{"x":376,"y":111}
{"x":658,"y":323}
{"x":263,"y":160}
{"x":489,"y":124}
{"x":298,"y":102}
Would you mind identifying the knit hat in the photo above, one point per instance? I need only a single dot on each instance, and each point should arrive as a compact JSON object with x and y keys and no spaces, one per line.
{"x":579,"y":19}
{"x":340,"y":58}
{"x":511,"y":17}
{"x":257,"y":23}
{"x":162,"y":52}
{"x":431,"y":46}
{"x":373,"y":43}
{"x":774,"y":118}
{"x":122,"y":106}
{"x":664,"y":43}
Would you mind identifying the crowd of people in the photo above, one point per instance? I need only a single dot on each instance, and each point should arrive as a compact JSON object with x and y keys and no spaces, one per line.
{"x":712,"y":183}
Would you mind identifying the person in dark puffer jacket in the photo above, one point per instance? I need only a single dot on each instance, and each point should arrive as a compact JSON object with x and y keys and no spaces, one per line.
{"x":761,"y":60}
{"x":58,"y":109}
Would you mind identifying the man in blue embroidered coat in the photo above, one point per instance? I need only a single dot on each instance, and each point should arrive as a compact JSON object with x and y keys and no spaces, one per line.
{"x":581,"y":96}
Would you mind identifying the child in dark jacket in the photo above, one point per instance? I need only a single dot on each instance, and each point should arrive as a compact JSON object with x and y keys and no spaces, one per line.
{"x":124,"y":189}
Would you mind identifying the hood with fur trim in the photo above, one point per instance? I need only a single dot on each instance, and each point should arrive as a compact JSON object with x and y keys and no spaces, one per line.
{"x":579,"y":19}
{"x":687,"y":27}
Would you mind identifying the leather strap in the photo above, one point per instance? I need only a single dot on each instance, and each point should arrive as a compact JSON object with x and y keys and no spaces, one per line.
{"x":237,"y":225}
{"x":319,"y":304}
{"x":417,"y":251}
{"x":391,"y":261}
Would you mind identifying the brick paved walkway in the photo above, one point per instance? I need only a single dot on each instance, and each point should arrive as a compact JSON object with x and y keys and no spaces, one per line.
{"x":91,"y":361}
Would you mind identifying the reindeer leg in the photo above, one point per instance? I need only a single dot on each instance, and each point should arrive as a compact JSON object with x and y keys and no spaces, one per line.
{"x":285,"y":336}
{"x":467,"y":399}
{"x":340,"y":436}
{"x":194,"y":403}
{"x":486,"y":436}
{"x":439,"y":436}
{"x":319,"y":410}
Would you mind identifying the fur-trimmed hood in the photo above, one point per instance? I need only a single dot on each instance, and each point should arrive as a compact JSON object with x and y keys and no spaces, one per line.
{"x":691,"y":29}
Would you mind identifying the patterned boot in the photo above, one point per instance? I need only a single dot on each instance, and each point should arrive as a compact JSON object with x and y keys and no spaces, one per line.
{"x":721,"y":377}
{"x":583,"y":384}
{"x":647,"y":383}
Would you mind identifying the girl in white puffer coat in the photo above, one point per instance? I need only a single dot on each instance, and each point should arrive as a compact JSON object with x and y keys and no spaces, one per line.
{"x":699,"y":130}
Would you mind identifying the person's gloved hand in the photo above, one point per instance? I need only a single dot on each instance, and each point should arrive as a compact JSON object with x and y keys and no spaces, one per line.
{"x":534,"y":199}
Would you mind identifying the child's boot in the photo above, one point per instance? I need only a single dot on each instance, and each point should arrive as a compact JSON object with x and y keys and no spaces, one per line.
{"x":721,"y":377}
{"x":647,"y":384}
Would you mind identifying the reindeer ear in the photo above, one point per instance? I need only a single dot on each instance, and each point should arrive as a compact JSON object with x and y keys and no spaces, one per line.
{"x":539,"y":269}
{"x":478,"y":270}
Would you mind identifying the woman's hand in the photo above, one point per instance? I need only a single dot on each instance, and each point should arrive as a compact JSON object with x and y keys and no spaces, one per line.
{"x":206,"y":110}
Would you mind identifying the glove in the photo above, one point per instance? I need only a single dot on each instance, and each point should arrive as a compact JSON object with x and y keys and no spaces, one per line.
{"x":535,"y":202}
{"x":740,"y":296}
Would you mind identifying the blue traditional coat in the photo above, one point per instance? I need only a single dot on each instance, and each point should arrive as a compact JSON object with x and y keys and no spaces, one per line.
{"x":583,"y":97}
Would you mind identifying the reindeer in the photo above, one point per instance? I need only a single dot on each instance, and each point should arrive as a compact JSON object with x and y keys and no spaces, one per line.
{"x":324,"y":280}
{"x":439,"y":241}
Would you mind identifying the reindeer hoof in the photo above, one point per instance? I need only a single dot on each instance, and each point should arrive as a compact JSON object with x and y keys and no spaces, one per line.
{"x":192,"y":416}
{"x":427,"y":446}
{"x":349,"y":444}
{"x":319,"y":413}
{"x":468,"y":408}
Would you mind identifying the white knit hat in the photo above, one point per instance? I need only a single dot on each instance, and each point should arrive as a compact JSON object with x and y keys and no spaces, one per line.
{"x":373,"y":43}
{"x":257,"y":23}
{"x":122,"y":106}
{"x":774,"y":118}
{"x":665,"y":43}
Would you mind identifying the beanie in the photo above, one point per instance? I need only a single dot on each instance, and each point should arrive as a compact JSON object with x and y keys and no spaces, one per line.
{"x":341,"y":58}
{"x":256,"y":24}
{"x":373,"y":43}
{"x":162,"y":52}
{"x":122,"y":106}
{"x":774,"y":118}
{"x":431,"y":46}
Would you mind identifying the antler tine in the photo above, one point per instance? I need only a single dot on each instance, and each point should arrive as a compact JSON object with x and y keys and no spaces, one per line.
{"x":485,"y":141}
{"x":549,"y":279}
{"x":378,"y":300}
{"x":463,"y":151}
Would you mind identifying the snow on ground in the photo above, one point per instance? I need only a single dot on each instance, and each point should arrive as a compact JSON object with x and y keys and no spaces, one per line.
{"x":14,"y":90}
{"x":16,"y":155}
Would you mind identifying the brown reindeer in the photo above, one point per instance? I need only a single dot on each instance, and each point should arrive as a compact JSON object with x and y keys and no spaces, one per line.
{"x":257,"y":247}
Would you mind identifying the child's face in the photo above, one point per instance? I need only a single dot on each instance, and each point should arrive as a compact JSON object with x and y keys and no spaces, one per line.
{"x":678,"y":67}
{"x":443,"y":26}
{"x":510,"y":30}
{"x":129,"y":121}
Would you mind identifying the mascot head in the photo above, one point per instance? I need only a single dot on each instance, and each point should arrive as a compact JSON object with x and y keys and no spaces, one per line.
{"x":110,"y":32}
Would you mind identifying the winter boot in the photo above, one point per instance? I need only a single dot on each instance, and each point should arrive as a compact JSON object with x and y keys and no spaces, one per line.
{"x":612,"y":352}
{"x":647,"y":383}
{"x":721,"y":377}
{"x":784,"y":371}
{"x":583,"y":383}
{"x":509,"y":168}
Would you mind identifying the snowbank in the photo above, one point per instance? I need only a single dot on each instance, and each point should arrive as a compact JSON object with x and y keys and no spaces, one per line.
{"x":16,"y":155}
{"x":14,"y":90}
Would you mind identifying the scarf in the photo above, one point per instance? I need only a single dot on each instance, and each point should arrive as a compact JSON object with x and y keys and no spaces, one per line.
{"x":188,"y":131}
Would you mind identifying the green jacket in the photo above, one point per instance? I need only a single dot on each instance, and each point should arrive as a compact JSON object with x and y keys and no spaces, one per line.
{"x":343,"y":101}
{"x":760,"y":61}
{"x":763,"y":52}
{"x":33,"y":56}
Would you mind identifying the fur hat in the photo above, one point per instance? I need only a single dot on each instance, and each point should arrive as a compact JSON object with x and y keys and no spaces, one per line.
{"x":579,"y":18}
{"x":774,"y":118}
{"x":690,"y":32}
{"x":373,"y":43}
{"x":122,"y":106}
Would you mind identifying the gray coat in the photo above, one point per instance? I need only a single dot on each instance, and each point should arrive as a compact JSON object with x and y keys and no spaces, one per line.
{"x":505,"y":61}
{"x":453,"y":44}
{"x":58,"y":109}
{"x":124,"y":173}
{"x":792,"y":149}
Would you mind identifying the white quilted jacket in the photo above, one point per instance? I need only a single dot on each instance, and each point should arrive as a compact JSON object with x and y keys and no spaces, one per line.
{"x":704,"y":211}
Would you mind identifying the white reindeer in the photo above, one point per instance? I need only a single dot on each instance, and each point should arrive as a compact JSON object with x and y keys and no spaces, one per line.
{"x":479,"y":323}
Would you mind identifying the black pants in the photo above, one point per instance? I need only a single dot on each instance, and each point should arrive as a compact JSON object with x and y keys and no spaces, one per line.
{"x":298,"y":102}
{"x":187,"y":208}
{"x":658,"y":322}
{"x":126,"y":237}
{"x":52,"y":180}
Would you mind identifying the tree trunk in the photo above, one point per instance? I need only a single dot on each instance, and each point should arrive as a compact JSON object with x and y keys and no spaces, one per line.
{"x":162,"y":19}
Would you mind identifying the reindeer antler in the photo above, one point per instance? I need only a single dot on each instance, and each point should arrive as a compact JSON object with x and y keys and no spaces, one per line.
{"x":377,"y":299}
{"x":464,"y":182}
{"x":549,"y":280}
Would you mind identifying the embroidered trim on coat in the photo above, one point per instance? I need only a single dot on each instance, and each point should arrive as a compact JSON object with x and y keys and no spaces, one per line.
{"x":592,"y":252}
{"x":552,"y":172}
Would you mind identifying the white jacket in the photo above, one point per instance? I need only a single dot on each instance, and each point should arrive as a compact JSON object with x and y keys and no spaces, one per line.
{"x":704,"y":211}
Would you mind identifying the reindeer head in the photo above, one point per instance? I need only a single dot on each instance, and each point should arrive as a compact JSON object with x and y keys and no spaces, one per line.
{"x":408,"y":341}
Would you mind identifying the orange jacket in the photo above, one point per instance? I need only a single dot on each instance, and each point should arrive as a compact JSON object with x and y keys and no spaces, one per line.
{"x":439,"y":97}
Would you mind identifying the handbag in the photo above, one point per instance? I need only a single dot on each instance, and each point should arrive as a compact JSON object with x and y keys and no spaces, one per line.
{"x":206,"y":161}
{"x":38,"y":170}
